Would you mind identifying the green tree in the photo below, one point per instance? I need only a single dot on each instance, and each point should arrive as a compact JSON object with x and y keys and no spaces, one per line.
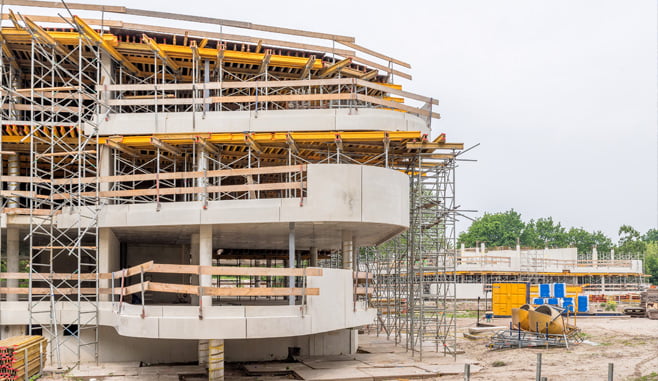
{"x":584,"y":240}
{"x":630,"y":241}
{"x":650,"y":236}
{"x":497,"y":229}
{"x":544,"y":233}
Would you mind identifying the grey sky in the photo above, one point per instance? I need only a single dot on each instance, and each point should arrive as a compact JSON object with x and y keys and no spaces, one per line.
{"x":560,"y":94}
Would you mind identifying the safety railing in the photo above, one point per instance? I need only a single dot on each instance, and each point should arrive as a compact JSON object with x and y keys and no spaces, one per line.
{"x":263,"y":95}
{"x":288,"y":181}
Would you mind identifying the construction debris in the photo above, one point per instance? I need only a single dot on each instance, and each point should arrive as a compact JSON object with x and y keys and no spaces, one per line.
{"x":21,"y":356}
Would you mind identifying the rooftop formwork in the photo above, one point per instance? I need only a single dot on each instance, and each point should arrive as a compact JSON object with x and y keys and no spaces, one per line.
{"x":98,"y":114}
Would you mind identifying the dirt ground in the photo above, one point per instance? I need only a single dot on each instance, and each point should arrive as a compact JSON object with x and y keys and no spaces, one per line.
{"x":631,"y":344}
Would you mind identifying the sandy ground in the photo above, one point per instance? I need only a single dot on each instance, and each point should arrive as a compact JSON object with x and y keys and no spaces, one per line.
{"x":631,"y":344}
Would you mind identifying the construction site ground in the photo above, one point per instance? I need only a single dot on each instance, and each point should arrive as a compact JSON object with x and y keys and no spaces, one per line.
{"x":629,"y":343}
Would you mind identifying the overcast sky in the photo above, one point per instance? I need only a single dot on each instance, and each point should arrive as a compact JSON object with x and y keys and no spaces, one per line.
{"x":560,"y":95}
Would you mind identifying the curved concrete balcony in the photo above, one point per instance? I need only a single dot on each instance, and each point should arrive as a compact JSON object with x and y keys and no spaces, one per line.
{"x":332,"y":309}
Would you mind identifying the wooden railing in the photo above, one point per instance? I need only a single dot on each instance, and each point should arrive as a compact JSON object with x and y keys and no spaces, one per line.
{"x":260,"y":95}
{"x":151,"y":267}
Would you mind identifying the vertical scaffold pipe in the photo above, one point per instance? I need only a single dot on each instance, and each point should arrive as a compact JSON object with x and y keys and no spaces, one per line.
{"x":14,"y":168}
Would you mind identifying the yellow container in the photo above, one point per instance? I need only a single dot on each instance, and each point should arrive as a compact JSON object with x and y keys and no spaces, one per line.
{"x":505,"y":296}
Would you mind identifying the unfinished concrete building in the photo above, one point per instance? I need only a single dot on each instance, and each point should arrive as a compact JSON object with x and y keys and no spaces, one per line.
{"x":170,"y":194}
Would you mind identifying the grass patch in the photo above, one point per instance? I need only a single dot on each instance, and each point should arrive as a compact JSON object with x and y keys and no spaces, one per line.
{"x":497,"y":364}
{"x":653,"y":376}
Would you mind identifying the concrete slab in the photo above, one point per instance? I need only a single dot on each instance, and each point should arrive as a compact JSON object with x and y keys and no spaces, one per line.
{"x":449,"y":369}
{"x":272,"y":368}
{"x":394,"y":373}
{"x":343,"y":374}
{"x":319,"y":364}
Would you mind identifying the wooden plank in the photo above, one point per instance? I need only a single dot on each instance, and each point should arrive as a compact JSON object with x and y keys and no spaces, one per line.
{"x":375,"y":54}
{"x":390,"y":90}
{"x":240,"y":271}
{"x":22,"y":179}
{"x":362,"y":275}
{"x":427,"y":145}
{"x":187,"y":175}
{"x":56,"y":4}
{"x":230,"y":291}
{"x":362,"y":291}
{"x":27,"y":212}
{"x":395,"y":105}
{"x":232,"y":99}
{"x":238,"y":24}
{"x":231,"y":85}
{"x":133,"y":270}
{"x":382,"y":67}
{"x":186,"y":190}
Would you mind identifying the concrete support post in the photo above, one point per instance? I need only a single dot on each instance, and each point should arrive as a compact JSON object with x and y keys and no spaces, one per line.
{"x":314,"y":257}
{"x":201,"y":165}
{"x":348,"y":250}
{"x":612,"y":254}
{"x":203,"y":353}
{"x":194,"y":260}
{"x":595,"y":257}
{"x":205,"y":259}
{"x":12,"y":259}
{"x":108,"y":257}
{"x":105,"y":166}
{"x":216,"y":360}
{"x":291,"y":259}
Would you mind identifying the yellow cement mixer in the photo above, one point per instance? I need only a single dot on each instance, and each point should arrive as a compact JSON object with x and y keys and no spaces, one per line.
{"x":520,"y":317}
{"x":546,"y":318}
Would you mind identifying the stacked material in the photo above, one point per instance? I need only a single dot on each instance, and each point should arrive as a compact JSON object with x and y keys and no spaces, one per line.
{"x":649,"y":299}
{"x":22,"y":357}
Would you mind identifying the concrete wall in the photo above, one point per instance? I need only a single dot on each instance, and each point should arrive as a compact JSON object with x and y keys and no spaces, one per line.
{"x":140,"y":253}
{"x":263,"y":121}
{"x":116,"y":348}
{"x":339,"y":342}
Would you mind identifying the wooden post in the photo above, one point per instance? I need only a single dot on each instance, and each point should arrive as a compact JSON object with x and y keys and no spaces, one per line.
{"x":215,"y":360}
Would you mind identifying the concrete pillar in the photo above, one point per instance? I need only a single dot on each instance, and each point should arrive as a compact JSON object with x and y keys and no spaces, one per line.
{"x":314,"y":257}
{"x":203,"y":353}
{"x":462,"y":250}
{"x":483,"y":248}
{"x":194,"y":260}
{"x":108,"y":257}
{"x":595,"y":257}
{"x":14,"y":165}
{"x":602,"y":283}
{"x":612,"y":254}
{"x":201,"y":165}
{"x":291,"y":259}
{"x":347,"y":250}
{"x":105,"y":166}
{"x":205,"y":259}
{"x":12,"y":258}
{"x":215,"y":360}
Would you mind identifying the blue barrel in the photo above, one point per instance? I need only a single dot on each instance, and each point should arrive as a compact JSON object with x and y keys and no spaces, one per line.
{"x":538,"y":301}
{"x":553,"y":301}
{"x":583,"y":303}
{"x":544,"y":290}
{"x":567,"y":301}
{"x":559,"y":290}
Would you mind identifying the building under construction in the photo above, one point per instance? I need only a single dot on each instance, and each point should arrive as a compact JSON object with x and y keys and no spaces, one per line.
{"x":176,"y":195}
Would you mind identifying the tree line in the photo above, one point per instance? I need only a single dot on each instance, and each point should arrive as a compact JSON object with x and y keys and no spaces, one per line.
{"x":508,"y":229}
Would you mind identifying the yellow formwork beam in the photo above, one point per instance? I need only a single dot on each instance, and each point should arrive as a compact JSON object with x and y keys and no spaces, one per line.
{"x":230,"y":56}
{"x":157,"y":49}
{"x":105,"y":44}
{"x":271,"y":137}
{"x":19,"y":36}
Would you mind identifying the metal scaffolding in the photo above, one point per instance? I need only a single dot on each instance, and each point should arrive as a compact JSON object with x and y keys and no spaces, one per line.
{"x":55,"y":102}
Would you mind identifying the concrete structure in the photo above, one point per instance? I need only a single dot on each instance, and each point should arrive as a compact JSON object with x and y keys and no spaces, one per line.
{"x":478,"y":268}
{"x":194,"y":196}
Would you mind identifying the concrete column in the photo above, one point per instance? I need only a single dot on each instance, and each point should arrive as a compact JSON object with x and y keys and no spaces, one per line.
{"x":215,"y":360}
{"x":463,"y":249}
{"x":314,"y":257}
{"x":105,"y":166}
{"x":201,"y":165}
{"x":203,"y":353}
{"x":108,"y":257}
{"x":483,"y":248}
{"x":205,"y":259}
{"x":291,"y":259}
{"x":194,"y":260}
{"x":106,"y":78}
{"x":347,"y":250}
{"x":12,"y":259}
{"x":612,"y":254}
{"x":595,"y":257}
